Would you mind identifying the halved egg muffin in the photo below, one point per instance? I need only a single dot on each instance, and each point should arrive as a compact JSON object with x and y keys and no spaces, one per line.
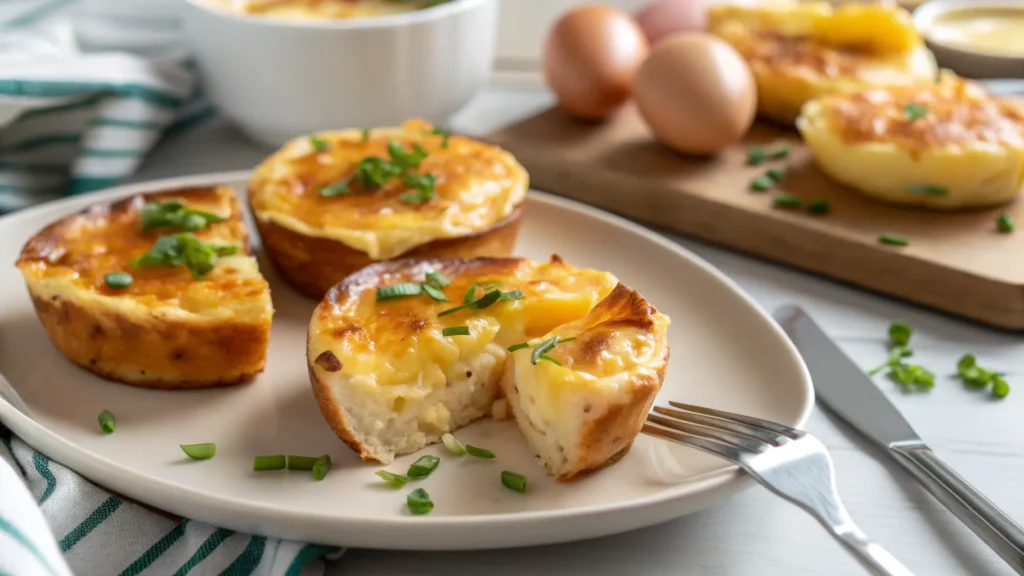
{"x":801,"y":51}
{"x":329,"y":204}
{"x":402,"y":352}
{"x":948,"y":145}
{"x":157,"y":290}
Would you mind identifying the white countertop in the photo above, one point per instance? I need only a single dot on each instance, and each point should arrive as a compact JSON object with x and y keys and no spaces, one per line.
{"x":756,"y":533}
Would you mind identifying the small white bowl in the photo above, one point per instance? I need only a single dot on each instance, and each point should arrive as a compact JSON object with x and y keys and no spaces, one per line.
{"x":277,"y":79}
{"x":967,"y":62}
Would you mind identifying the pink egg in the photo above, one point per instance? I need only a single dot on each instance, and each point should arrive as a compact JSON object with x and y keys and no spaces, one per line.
{"x":663,"y":18}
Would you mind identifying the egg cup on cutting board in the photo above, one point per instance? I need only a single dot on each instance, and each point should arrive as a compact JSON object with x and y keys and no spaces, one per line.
{"x":577,"y":355}
{"x":158,"y":290}
{"x":326,"y":205}
{"x":618,"y":165}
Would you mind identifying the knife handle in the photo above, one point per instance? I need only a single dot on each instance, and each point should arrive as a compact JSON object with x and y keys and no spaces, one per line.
{"x":994,"y":527}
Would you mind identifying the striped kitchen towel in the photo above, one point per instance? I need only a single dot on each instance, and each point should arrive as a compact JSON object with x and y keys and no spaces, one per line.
{"x":73,"y":120}
{"x":55,"y":523}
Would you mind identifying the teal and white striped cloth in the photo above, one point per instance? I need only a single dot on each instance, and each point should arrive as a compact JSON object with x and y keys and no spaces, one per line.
{"x":75,"y":121}
{"x":55,"y":523}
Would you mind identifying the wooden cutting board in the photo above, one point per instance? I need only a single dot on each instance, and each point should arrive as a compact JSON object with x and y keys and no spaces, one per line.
{"x":956,"y":262}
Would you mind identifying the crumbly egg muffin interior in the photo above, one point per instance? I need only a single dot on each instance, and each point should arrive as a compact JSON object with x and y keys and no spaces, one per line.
{"x":474,"y":186}
{"x":401,"y":382}
{"x":945,"y":145}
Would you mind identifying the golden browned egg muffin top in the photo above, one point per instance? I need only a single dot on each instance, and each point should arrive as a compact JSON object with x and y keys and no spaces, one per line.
{"x":951,"y":112}
{"x":87,"y":246}
{"x":317,"y":186}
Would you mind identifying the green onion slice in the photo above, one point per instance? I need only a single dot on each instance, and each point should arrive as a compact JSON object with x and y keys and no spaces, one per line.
{"x":893,"y":239}
{"x":399,"y":290}
{"x":519,"y":346}
{"x":1000,"y":389}
{"x":423,"y":467}
{"x":106,"y":420}
{"x":452,"y":444}
{"x":321,"y":467}
{"x":1005,"y":223}
{"x":543,"y":348}
{"x":419,"y":502}
{"x":396,"y":480}
{"x":301,"y":462}
{"x":434,"y":293}
{"x":118,"y":279}
{"x":513,"y":481}
{"x":479,"y":452}
{"x":455,"y":331}
{"x":550,"y":359}
{"x":900,"y":333}
{"x":199,"y":451}
{"x":271,"y":462}
{"x":437,"y":279}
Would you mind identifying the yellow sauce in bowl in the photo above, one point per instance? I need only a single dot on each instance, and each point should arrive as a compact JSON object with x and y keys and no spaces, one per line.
{"x":323,"y":9}
{"x":998,"y":31}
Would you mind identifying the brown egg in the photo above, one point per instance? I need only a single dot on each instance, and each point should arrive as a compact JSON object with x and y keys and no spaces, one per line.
{"x":590,"y":59}
{"x":662,"y":18}
{"x":696,"y":93}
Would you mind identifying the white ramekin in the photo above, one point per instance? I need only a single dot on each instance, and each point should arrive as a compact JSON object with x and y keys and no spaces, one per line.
{"x":277,"y":79}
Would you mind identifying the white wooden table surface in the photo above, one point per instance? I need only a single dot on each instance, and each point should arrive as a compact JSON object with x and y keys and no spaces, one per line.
{"x":755,"y":533}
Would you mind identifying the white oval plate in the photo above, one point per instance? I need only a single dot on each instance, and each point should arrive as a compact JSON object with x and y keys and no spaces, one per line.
{"x":725,"y":353}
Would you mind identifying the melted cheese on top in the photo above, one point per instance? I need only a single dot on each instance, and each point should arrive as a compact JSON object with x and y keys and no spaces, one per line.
{"x":77,"y":252}
{"x":477,"y":186}
{"x":321,"y":9}
{"x":399,"y":343}
{"x":956,"y":112}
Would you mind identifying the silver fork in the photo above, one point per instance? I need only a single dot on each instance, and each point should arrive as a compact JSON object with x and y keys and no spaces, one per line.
{"x":789,"y":462}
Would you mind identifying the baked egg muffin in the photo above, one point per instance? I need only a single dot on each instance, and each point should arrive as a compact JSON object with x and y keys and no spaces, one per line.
{"x":329,"y":204}
{"x":158,"y":290}
{"x":404,"y":351}
{"x":801,"y":51}
{"x":947,"y":145}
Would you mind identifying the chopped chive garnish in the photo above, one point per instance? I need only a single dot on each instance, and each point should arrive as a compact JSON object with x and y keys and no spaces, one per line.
{"x":455,"y":331}
{"x":1000,"y":388}
{"x":512,"y":295}
{"x":470,"y":294}
{"x":321,"y":467}
{"x":478,"y":452}
{"x":755,"y":156}
{"x":396,"y":480}
{"x":318,"y":143}
{"x":928,"y":190}
{"x":419,"y":502}
{"x":118,"y":279}
{"x":336,"y":189}
{"x":519,"y":346}
{"x":779,"y":153}
{"x":542,"y":349}
{"x":272,"y":462}
{"x":479,"y":304}
{"x":174,"y":214}
{"x":893,"y":239}
{"x":776,"y":174}
{"x":513,"y":481}
{"x":761,"y":183}
{"x":301,"y":462}
{"x":423,"y":467}
{"x":366,"y":134}
{"x":818,"y":207}
{"x":550,"y":359}
{"x":106,"y":420}
{"x":452,"y":444}
{"x":454,"y":310}
{"x":786,"y":201}
{"x":1004,"y":223}
{"x":399,"y":290}
{"x":914,"y":111}
{"x":434,"y":293}
{"x":199,"y":451}
{"x":900,"y":333}
{"x":437,"y":279}
{"x":444,"y":134}
{"x":564,"y":340}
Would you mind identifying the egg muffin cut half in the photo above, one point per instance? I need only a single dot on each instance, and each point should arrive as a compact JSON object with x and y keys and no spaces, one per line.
{"x":946,"y":146}
{"x":802,"y":51}
{"x":157,"y":290}
{"x":329,"y":204}
{"x":393,"y":373}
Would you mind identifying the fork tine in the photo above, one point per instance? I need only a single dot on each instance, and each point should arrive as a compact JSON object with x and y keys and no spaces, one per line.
{"x":726,"y":451}
{"x":718,"y":423}
{"x":744,"y":443}
{"x":759,"y":422}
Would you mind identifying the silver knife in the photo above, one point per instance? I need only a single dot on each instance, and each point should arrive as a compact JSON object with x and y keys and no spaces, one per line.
{"x":848,"y":392}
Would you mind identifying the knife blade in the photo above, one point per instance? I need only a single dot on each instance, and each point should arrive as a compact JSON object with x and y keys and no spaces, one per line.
{"x":849,"y":393}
